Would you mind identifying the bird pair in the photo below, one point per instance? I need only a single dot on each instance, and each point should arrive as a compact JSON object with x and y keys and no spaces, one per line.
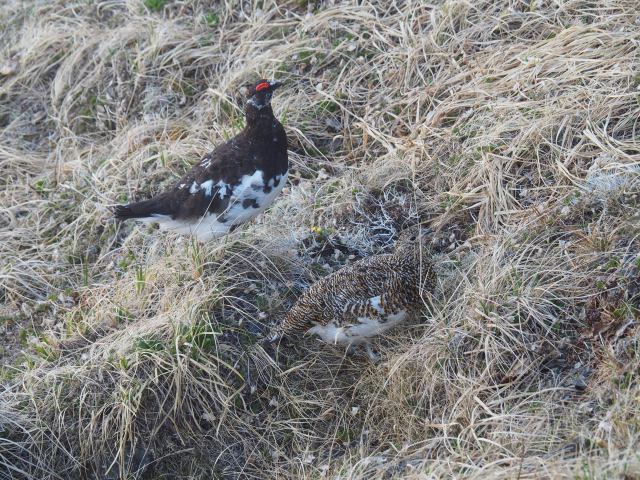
{"x":241,"y":178}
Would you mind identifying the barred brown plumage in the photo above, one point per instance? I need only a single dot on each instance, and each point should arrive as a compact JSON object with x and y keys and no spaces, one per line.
{"x":366,"y":298}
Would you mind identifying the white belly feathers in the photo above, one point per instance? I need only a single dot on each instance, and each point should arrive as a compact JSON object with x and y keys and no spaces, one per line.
{"x":248,"y":199}
{"x":360,"y":332}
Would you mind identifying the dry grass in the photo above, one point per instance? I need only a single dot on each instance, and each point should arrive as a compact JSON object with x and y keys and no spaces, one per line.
{"x":510,"y":128}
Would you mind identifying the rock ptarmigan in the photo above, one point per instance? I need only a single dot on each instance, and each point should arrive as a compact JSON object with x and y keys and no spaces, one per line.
{"x":232,"y":184}
{"x":365,"y":299}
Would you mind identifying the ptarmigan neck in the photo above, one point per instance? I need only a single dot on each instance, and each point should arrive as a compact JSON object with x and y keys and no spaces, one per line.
{"x":257,"y":117}
{"x":412,"y":254}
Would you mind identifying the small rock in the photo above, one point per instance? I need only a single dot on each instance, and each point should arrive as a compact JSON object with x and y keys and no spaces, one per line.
{"x":332,"y":124}
{"x":209,"y":417}
{"x":49,"y":321}
{"x":322,"y":174}
{"x":38,"y":117}
{"x":9,"y":67}
{"x":26,"y":309}
{"x":580,"y":384}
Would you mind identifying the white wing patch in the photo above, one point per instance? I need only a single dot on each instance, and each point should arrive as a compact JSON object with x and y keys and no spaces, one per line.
{"x":207,"y":186}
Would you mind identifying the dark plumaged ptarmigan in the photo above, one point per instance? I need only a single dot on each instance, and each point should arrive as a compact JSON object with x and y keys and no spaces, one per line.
{"x":232,"y":184}
{"x":365,"y":299}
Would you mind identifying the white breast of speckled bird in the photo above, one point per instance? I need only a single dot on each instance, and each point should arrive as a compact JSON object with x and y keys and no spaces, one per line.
{"x":341,"y":331}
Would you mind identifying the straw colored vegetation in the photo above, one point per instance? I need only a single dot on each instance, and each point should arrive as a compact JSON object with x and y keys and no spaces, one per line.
{"x":510,"y":128}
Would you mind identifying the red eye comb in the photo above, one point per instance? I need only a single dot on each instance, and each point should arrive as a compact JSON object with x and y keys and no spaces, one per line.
{"x":262,"y":86}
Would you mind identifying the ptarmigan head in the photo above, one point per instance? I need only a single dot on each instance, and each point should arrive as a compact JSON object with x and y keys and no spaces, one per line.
{"x":414,"y":240}
{"x":259,"y":95}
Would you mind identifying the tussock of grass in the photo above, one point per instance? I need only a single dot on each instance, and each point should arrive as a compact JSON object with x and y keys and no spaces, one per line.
{"x":508,"y":128}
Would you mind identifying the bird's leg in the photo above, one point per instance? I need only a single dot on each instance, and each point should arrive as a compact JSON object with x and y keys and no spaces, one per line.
{"x":373,"y":356}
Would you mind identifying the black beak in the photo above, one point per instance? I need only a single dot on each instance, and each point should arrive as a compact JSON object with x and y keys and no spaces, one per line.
{"x":274,"y":84}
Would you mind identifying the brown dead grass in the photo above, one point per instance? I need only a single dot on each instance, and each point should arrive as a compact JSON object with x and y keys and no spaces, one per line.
{"x":510,"y":128}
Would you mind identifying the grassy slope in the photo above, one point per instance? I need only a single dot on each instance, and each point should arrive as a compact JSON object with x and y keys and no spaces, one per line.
{"x":508,"y":127}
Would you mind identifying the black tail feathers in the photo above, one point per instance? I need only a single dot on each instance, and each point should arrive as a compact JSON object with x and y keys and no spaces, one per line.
{"x":144,"y":209}
{"x":122,"y":212}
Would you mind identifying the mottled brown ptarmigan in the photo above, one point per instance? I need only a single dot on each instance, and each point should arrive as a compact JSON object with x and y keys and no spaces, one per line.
{"x":365,"y":299}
